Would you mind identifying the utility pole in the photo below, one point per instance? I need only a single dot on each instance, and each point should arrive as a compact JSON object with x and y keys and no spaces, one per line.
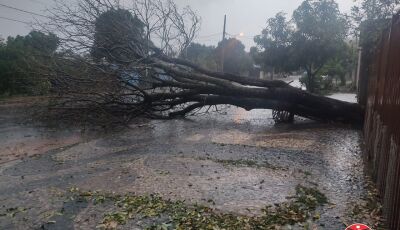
{"x":222,"y":45}
{"x":224,"y":31}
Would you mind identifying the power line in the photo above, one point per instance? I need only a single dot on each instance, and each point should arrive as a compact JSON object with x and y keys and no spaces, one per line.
{"x":14,"y":20}
{"x":24,"y":11}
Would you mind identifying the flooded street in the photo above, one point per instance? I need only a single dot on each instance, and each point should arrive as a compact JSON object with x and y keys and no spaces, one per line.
{"x":234,"y":162}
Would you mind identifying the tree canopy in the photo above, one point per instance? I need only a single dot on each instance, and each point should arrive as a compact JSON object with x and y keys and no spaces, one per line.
{"x":115,"y":30}
{"x":320,"y":34}
{"x":21,"y":59}
{"x":273,"y":45}
{"x":233,"y":55}
{"x":370,"y":18}
{"x":374,"y":9}
{"x":201,"y":55}
{"x":316,"y":36}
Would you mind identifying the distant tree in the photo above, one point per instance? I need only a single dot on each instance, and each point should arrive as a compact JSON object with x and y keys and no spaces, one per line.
{"x":116,"y":31}
{"x":274,"y":44}
{"x":340,"y":65}
{"x":235,"y":59}
{"x":21,"y":60}
{"x":43,"y":43}
{"x":371,"y":17}
{"x":201,"y":55}
{"x":319,"y":36}
{"x":374,"y":9}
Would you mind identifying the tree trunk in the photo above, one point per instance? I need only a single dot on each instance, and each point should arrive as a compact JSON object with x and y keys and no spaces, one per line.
{"x":272,"y":73}
{"x":311,"y":83}
{"x":177,"y":87}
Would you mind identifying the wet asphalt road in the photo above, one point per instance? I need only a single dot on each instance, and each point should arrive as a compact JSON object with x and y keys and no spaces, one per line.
{"x":180,"y":160}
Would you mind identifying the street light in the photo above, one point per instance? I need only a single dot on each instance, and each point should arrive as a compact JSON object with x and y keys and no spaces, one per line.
{"x":237,"y":36}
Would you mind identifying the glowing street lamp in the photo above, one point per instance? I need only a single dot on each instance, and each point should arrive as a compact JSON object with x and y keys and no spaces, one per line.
{"x":237,"y":36}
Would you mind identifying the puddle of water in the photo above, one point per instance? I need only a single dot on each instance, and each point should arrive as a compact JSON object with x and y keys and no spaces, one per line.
{"x":349,"y":97}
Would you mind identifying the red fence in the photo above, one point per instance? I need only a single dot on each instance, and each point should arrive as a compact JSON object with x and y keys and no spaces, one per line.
{"x":382,"y":123}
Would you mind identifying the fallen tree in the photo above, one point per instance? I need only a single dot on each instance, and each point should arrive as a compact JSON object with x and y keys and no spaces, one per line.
{"x":129,"y":77}
{"x":167,"y":87}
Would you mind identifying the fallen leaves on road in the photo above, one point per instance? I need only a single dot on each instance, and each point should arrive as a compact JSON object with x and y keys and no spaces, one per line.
{"x":298,"y":209}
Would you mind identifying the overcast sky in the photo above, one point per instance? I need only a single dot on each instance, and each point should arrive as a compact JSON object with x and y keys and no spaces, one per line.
{"x":243,"y":16}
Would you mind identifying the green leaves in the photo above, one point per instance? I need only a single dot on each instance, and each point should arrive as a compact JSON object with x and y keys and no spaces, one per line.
{"x":274,"y":43}
{"x":315,"y":35}
{"x":297,"y":209}
{"x":321,"y":30}
{"x":22,"y":60}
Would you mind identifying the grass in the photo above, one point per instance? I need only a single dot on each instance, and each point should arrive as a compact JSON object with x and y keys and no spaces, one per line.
{"x":179,"y":215}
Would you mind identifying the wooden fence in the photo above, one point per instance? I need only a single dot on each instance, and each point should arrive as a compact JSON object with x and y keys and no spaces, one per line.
{"x":382,"y":121}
